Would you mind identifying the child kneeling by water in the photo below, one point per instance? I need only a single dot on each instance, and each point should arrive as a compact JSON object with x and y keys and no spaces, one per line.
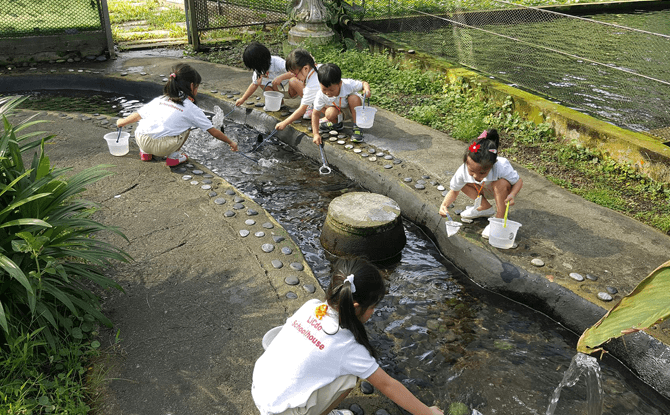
{"x":269,"y":71}
{"x":335,"y":95}
{"x":166,"y":121}
{"x":484,"y":175}
{"x":321,"y":351}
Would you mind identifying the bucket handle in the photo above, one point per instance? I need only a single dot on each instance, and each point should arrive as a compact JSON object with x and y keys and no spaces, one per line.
{"x":119,"y":134}
{"x":324,"y":169}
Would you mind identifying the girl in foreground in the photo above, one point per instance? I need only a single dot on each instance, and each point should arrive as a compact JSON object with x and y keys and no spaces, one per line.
{"x":322,"y":350}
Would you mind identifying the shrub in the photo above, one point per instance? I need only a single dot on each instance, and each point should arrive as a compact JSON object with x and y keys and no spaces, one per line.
{"x":48,"y":251}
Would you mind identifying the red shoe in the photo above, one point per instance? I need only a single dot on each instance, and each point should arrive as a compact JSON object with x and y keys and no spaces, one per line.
{"x":145,"y":156}
{"x":176,"y":159}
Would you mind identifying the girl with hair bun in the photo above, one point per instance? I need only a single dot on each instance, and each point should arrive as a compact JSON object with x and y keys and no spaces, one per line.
{"x":483,"y":176}
{"x":322,"y":350}
{"x":166,"y":121}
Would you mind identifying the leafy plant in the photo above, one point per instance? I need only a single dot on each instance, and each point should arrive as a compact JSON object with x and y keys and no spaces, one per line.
{"x":646,"y":306}
{"x":48,"y":250}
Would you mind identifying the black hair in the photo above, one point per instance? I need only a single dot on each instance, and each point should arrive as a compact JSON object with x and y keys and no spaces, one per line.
{"x":299,"y":58}
{"x":370,"y":289}
{"x":484,"y":150}
{"x":329,"y":74}
{"x":178,"y":85}
{"x":257,"y":58}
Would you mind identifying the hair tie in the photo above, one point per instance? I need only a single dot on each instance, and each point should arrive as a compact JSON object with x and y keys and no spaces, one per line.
{"x":493,"y":150}
{"x":474,"y":147}
{"x":350,"y":279}
{"x":173,"y":75}
{"x":483,"y":134}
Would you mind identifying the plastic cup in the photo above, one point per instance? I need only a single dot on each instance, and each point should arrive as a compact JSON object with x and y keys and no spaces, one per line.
{"x":118,"y":147}
{"x":273,"y":100}
{"x":502,"y":236}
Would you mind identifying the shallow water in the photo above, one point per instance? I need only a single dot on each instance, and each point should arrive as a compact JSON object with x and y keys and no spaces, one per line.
{"x":446,"y":339}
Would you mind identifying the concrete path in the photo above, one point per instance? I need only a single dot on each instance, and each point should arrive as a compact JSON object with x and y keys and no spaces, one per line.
{"x":199,"y":296}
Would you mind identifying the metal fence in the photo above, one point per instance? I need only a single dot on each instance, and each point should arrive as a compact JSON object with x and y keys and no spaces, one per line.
{"x":615,"y":73}
{"x":49,"y":17}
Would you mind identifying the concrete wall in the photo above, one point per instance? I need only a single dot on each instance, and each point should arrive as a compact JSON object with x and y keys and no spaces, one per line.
{"x":47,"y":48}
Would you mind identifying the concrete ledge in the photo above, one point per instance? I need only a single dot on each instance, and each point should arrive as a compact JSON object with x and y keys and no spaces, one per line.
{"x":42,"y":48}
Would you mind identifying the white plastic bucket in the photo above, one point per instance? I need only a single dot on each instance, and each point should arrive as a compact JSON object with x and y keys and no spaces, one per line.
{"x":270,"y":335}
{"x":502,"y":237}
{"x":119,"y":148}
{"x":365,"y":116}
{"x":273,"y":100}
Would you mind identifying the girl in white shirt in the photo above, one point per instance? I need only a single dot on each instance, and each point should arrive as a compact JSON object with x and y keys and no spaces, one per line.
{"x":321,"y":351}
{"x":483,"y":176}
{"x":304,"y":83}
{"x":269,"y":71}
{"x":166,"y":121}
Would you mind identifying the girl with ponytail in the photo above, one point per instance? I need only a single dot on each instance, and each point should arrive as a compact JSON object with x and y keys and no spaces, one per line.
{"x":166,"y":121}
{"x":483,"y":176}
{"x":322,"y":350}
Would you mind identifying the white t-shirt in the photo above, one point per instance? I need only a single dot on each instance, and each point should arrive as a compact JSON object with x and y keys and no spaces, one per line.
{"x":349,"y":86}
{"x":162,"y":118}
{"x":312,"y":87}
{"x":277,"y":68}
{"x":502,"y":169}
{"x":303,"y":358}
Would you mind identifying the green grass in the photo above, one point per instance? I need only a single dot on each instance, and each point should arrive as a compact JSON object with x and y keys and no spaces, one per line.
{"x":155,"y":15}
{"x":21,"y":17}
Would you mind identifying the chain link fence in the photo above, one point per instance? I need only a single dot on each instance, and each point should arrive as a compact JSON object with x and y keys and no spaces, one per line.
{"x":615,"y":73}
{"x":49,"y":17}
{"x":224,"y":14}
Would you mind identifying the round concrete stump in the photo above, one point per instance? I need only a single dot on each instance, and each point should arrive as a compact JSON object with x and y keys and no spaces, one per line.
{"x":363,"y":224}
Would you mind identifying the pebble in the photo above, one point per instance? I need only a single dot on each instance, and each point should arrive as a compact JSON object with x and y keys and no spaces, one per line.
{"x":373,"y":158}
{"x":249,"y":222}
{"x":576,"y":277}
{"x":207,"y":176}
{"x":364,"y":155}
{"x":420,"y":181}
{"x":244,"y":233}
{"x":419,"y":186}
{"x":251,"y":212}
{"x":277,"y":263}
{"x":197,"y":172}
{"x":333,"y":133}
{"x":611,"y":290}
{"x":219,"y":201}
{"x":286,"y":250}
{"x":238,"y":199}
{"x":407,"y":180}
{"x":567,"y":266}
{"x":259,"y":234}
{"x":206,"y":187}
{"x":440,"y":188}
{"x":591,"y":277}
{"x":291,"y":295}
{"x":207,"y":181}
{"x":333,"y":139}
{"x":341,"y":136}
{"x":309,"y":288}
{"x":425,"y":176}
{"x":357,"y":410}
{"x":397,"y":161}
{"x":357,"y":150}
{"x":349,"y":146}
{"x":194,"y":182}
{"x":367,"y":388}
{"x":388,"y":166}
{"x":379,"y":154}
{"x":277,"y":238}
{"x":372,"y":150}
{"x":212,"y":194}
{"x":388,"y":157}
{"x":181,"y":170}
{"x":238,"y":206}
{"x":229,"y":213}
{"x":186,"y":177}
{"x":189,"y":165}
{"x":382,"y":412}
{"x":292,"y":280}
{"x":267,"y":248}
{"x":268,"y":225}
{"x":537,"y":262}
{"x":341,"y":142}
{"x":230,"y":192}
{"x":297,"y":266}
{"x":604,"y":296}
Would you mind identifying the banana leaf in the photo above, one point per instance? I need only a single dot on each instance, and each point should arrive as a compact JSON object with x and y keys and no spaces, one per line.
{"x":648,"y":304}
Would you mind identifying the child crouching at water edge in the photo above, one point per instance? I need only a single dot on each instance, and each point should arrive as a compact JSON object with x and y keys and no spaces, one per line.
{"x":166,"y":121}
{"x":321,"y":351}
{"x":269,"y":71}
{"x":482,"y":176}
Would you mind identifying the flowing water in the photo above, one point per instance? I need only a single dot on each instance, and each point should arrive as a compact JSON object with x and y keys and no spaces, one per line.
{"x":446,"y":339}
